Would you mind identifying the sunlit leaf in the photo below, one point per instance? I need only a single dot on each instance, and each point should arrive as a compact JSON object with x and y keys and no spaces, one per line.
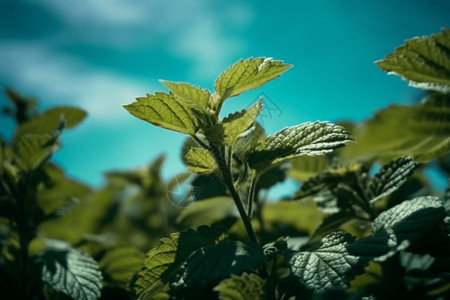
{"x":328,"y":267}
{"x":188,"y":93}
{"x":424,"y":62}
{"x":243,"y":287}
{"x":391,"y":176}
{"x":248,"y":74}
{"x":209,"y":265}
{"x":71,"y":272}
{"x":165,"y":111}
{"x":235,"y":124}
{"x":201,"y":161}
{"x":310,"y":139}
{"x":120,"y":264}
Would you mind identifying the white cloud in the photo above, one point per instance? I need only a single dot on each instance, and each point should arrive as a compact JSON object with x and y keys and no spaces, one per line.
{"x":65,"y":80}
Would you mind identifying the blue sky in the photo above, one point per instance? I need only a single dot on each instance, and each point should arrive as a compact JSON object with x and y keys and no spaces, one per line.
{"x":102,"y":54}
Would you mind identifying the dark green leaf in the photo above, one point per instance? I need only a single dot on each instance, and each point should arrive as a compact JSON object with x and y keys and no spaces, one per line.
{"x":71,"y":272}
{"x":328,"y":267}
{"x":243,"y":287}
{"x":390,"y":177}
{"x":209,"y":265}
{"x":248,"y":74}
{"x":165,"y":111}
{"x":310,"y":139}
{"x":162,"y":262}
{"x":424,"y":62}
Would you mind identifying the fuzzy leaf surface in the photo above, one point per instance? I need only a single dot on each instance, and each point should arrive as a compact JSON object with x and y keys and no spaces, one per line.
{"x":329,"y":266}
{"x":72,"y":272}
{"x":201,"y":161}
{"x":424,"y":62}
{"x":236,"y":123}
{"x":164,"y":110}
{"x":391,"y":176}
{"x":248,"y":74}
{"x":243,"y":287}
{"x":189,"y":93}
{"x":310,"y":139}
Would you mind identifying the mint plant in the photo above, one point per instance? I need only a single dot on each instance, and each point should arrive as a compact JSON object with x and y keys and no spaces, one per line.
{"x":365,"y":223}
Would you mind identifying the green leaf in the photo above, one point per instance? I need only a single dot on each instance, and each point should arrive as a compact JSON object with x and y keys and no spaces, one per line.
{"x":120,"y":264}
{"x":390,"y":177}
{"x":421,"y":131}
{"x":237,"y":123}
{"x":415,"y":225}
{"x":188,"y":93}
{"x":248,"y":74}
{"x":51,"y":119}
{"x":161,"y":263}
{"x":211,"y":264}
{"x":207,"y":212}
{"x":328,"y":267}
{"x":201,"y":161}
{"x":424,"y":62}
{"x":35,"y":149}
{"x":71,"y":272}
{"x":396,"y":214}
{"x":304,"y":167}
{"x":243,"y":287}
{"x":164,"y":110}
{"x":310,"y":138}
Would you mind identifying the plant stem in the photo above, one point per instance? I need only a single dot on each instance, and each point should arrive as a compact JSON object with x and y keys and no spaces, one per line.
{"x":251,"y":194}
{"x":228,"y":181}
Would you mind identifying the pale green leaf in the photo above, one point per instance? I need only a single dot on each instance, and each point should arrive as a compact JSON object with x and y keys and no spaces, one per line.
{"x":328,"y":267}
{"x":424,"y":62}
{"x":248,"y":74}
{"x":71,"y":272}
{"x":237,"y":123}
{"x":304,"y":167}
{"x":207,"y":212}
{"x":120,"y":264}
{"x":51,"y":119}
{"x":310,"y":139}
{"x":421,"y":131}
{"x":35,"y":149}
{"x":242,"y":287}
{"x":188,"y":93}
{"x":165,"y":111}
{"x":201,"y":161}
